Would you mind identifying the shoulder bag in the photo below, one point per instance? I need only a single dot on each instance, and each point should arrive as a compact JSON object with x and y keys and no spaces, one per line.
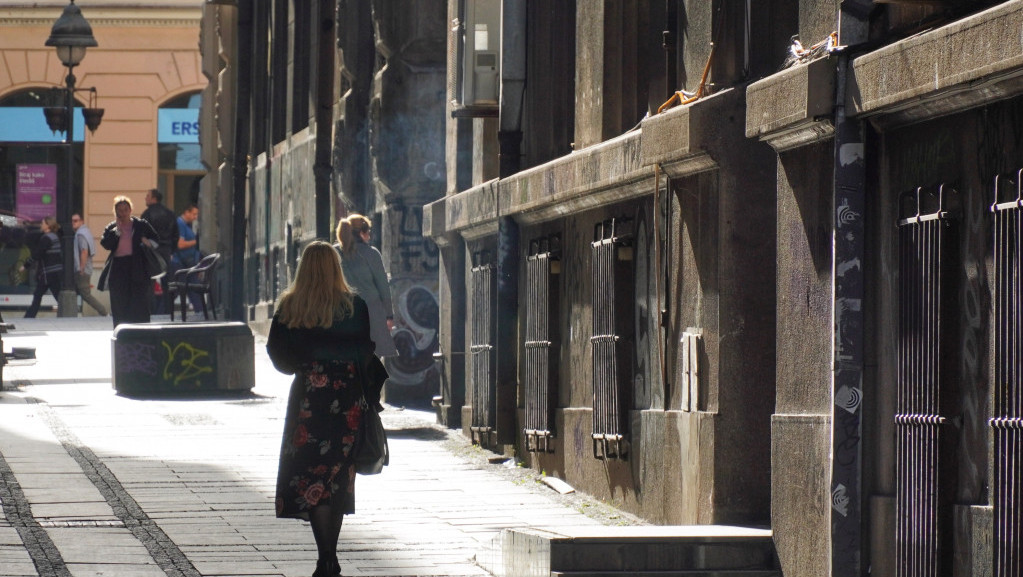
{"x":371,"y":449}
{"x":156,"y":267}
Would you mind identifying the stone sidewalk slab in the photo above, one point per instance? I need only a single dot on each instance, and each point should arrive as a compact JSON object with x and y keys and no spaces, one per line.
{"x":185,"y":487}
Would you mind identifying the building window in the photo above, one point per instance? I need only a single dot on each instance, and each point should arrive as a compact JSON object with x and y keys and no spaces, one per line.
{"x":180,"y":165}
{"x":33,"y":174}
{"x":925,"y":458}
{"x":474,"y":59}
{"x":1007,"y":421}
{"x":613,"y":320}
{"x":539,"y":367}
{"x":481,"y":349}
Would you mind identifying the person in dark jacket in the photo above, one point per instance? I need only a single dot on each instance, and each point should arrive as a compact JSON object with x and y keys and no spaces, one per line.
{"x":49,"y":265}
{"x":320,"y":333}
{"x":165,"y":222}
{"x":131,"y":289}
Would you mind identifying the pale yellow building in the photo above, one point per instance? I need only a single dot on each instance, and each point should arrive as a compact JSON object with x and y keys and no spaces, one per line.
{"x":148,"y":79}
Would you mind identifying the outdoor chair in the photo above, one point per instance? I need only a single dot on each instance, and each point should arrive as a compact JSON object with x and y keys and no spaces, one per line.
{"x":198,"y":279}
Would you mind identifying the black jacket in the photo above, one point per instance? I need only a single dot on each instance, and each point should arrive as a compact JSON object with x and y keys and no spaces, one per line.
{"x":140,"y":229}
{"x":165,"y":222}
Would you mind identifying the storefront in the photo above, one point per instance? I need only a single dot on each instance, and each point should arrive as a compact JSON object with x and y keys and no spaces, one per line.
{"x":146,"y":72}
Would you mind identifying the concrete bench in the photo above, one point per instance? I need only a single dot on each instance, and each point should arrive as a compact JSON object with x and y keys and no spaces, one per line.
{"x":182,"y":358}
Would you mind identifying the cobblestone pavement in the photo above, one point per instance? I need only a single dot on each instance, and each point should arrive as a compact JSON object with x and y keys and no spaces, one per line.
{"x":97,"y":484}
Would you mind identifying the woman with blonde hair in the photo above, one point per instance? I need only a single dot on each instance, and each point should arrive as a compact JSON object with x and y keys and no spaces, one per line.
{"x":50,"y":267}
{"x":131,"y":289}
{"x":320,"y":333}
{"x":364,"y":271}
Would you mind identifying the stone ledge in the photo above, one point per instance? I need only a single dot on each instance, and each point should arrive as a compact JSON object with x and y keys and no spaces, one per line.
{"x":662,"y":550}
{"x":962,"y":65}
{"x":601,"y":175}
{"x":793,"y":107}
{"x":678,"y":140}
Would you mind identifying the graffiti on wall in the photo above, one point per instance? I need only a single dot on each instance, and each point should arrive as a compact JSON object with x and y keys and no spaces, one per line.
{"x":415,"y":334}
{"x":417,"y":254}
{"x":175,"y":363}
{"x":414,"y":285}
{"x":185,"y":363}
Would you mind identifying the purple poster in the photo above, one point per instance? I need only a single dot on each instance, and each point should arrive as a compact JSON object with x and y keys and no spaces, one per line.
{"x":37,"y":191}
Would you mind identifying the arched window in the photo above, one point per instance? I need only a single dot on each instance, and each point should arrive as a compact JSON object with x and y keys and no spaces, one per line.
{"x":180,"y":167}
{"x":28,"y":147}
{"x":33,"y":170}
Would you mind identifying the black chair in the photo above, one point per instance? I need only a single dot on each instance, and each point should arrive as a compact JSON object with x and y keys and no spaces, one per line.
{"x":198,"y":279}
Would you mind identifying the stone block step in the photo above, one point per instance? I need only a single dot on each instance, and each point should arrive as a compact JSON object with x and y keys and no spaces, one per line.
{"x":724,"y":573}
{"x":700,"y":550}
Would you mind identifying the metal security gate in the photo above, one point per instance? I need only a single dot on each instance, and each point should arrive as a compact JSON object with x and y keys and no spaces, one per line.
{"x":481,"y":349}
{"x":1007,"y":421}
{"x":923,"y":466}
{"x":612,"y":320}
{"x":539,"y":374}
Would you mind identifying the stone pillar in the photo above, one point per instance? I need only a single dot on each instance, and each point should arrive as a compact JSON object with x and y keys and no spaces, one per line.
{"x":406,"y":135}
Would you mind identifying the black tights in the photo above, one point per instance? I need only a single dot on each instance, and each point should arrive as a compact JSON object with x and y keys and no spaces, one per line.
{"x":326,"y":529}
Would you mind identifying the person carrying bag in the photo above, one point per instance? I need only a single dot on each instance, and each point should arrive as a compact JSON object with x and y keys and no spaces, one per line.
{"x":320,"y":333}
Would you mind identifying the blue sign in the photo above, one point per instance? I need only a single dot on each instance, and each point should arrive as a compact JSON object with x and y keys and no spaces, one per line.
{"x":28,"y":124}
{"x":179,"y":125}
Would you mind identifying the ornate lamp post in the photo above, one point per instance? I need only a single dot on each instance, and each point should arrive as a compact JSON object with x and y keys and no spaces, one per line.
{"x":71,"y":35}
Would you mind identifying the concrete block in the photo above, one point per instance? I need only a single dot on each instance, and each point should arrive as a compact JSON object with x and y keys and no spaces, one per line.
{"x":182,"y":358}
{"x":794,"y":107}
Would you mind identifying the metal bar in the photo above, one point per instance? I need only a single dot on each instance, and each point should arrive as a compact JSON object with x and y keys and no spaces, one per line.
{"x":918,"y":392}
{"x":1007,"y":483}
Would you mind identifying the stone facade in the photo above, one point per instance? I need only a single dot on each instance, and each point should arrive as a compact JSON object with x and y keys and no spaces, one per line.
{"x":694,"y":306}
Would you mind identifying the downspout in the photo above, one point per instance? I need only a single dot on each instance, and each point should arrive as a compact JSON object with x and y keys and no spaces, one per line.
{"x":848,"y":204}
{"x":271,"y":272}
{"x":513,"y":85}
{"x":324,"y":117}
{"x":240,"y":162}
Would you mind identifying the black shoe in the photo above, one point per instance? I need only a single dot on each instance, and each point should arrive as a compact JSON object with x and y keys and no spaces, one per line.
{"x":328,"y":568}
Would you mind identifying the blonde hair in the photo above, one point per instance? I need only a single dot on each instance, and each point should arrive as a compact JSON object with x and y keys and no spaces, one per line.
{"x":119,"y":199}
{"x":52,"y":223}
{"x":319,"y":294}
{"x":347,"y":228}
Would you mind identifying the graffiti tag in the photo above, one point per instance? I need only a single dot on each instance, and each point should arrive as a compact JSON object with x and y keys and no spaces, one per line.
{"x":185,"y":362}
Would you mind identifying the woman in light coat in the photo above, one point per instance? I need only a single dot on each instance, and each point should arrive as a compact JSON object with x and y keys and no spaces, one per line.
{"x":364,"y":272}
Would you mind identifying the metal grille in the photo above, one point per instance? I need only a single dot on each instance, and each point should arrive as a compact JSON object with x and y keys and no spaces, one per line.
{"x":538,"y":370}
{"x":609,"y":249}
{"x":1007,"y":421}
{"x":484,"y":401}
{"x":924,"y":240}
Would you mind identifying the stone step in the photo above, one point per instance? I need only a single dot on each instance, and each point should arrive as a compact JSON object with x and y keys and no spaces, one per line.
{"x":700,"y":550}
{"x":724,"y":573}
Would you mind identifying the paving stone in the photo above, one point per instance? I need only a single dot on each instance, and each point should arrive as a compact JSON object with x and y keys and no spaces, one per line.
{"x":202,"y":473}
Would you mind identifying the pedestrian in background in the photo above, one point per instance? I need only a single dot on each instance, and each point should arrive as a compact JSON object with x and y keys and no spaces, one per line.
{"x":187,"y":253}
{"x":85,"y":250}
{"x":131,"y":289}
{"x":166,"y":225}
{"x":364,"y":272}
{"x":49,"y":263}
{"x":320,"y":333}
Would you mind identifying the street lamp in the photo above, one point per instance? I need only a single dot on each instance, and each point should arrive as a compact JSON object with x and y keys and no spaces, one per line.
{"x":70,"y":35}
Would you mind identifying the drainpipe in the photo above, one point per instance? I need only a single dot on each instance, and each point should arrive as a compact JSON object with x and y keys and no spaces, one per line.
{"x":848,"y":204}
{"x":513,"y":84}
{"x":323,"y":170}
{"x":240,"y":162}
{"x":509,"y":135}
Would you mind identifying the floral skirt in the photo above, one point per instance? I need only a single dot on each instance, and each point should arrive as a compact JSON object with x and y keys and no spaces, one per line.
{"x":316,"y":467}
